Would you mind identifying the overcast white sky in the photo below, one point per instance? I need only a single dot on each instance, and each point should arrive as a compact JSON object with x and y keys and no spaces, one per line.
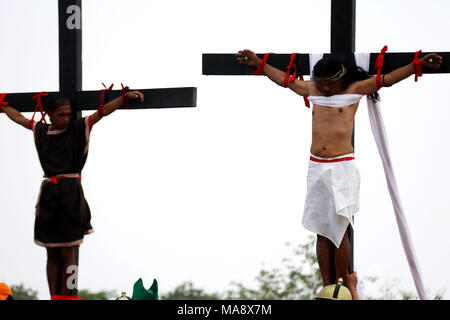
{"x":211,"y":193}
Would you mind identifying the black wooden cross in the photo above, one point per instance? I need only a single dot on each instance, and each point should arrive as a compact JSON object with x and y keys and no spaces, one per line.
{"x":70,"y":77}
{"x":70,"y":74}
{"x":343,"y":23}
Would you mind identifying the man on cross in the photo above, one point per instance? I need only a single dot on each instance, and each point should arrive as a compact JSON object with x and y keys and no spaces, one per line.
{"x":62,"y":213}
{"x":335,"y":89}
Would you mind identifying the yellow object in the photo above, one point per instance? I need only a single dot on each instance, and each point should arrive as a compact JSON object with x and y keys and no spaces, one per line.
{"x":335,"y":292}
{"x":124,"y":297}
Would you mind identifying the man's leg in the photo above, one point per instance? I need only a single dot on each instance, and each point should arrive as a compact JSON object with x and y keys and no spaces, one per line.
{"x":68,"y":259}
{"x":342,"y":259}
{"x":54,"y":270}
{"x":325,"y":252}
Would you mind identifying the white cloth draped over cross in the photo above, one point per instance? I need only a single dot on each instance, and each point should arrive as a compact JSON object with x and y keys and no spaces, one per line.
{"x":379,"y":132}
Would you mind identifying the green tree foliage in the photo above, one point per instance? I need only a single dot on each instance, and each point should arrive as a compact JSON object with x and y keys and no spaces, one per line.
{"x":298,"y":278}
{"x":186,"y":291}
{"x":100,"y":295}
{"x":19,"y":292}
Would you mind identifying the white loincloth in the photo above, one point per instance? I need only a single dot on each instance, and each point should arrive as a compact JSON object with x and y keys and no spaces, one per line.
{"x":332,"y":197}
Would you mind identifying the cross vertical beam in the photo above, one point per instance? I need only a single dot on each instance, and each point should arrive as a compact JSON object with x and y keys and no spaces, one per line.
{"x":70,"y":70}
{"x":70,"y":63}
{"x":343,"y":13}
{"x":343,"y":20}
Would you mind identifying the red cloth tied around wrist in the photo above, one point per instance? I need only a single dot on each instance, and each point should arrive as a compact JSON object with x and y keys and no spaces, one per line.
{"x":417,"y":63}
{"x":260,"y":70}
{"x":378,"y":65}
{"x":102,"y":99}
{"x":3,"y":103}
{"x":290,"y":78}
{"x":124,"y":92}
{"x":38,"y":98}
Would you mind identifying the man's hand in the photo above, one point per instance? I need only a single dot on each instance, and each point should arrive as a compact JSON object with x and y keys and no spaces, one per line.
{"x":135,"y":95}
{"x":432,"y":61}
{"x":248,"y":58}
{"x":113,"y":105}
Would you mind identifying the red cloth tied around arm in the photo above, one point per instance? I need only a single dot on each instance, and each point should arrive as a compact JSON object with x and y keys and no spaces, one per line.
{"x":290,"y":78}
{"x":3,"y":103}
{"x":125,"y":100}
{"x":102,"y":99}
{"x":260,"y":70}
{"x":38,"y":98}
{"x":417,"y":65}
{"x":378,"y":65}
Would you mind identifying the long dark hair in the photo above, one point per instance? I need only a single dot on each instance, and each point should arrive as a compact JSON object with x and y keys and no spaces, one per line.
{"x":332,"y":65}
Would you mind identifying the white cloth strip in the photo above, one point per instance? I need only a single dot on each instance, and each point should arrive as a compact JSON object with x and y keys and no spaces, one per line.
{"x":336,"y":101}
{"x":379,"y":133}
{"x":87,"y":133}
{"x":313,"y":58}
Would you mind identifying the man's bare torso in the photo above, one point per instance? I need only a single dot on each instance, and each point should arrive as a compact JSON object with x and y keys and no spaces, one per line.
{"x":332,"y":128}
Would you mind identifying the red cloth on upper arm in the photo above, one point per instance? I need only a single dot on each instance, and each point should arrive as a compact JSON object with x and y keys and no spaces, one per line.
{"x":3,"y":103}
{"x":378,"y":65}
{"x":90,"y":123}
{"x":288,"y":78}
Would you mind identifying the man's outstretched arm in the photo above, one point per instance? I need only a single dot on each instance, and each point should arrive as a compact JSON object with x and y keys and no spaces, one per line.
{"x":431,"y":60}
{"x":16,"y":116}
{"x":115,"y":104}
{"x":250,"y":59}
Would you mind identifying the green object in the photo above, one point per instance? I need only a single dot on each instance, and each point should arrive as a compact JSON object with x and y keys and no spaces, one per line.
{"x":140,"y":293}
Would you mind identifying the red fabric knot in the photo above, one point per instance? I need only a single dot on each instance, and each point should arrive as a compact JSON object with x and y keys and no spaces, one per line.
{"x":102,"y":99}
{"x":378,"y":65}
{"x":417,"y":63}
{"x":3,"y":103}
{"x":290,"y":78}
{"x":125,"y":100}
{"x":38,"y":98}
{"x":54,"y":179}
{"x":260,"y":70}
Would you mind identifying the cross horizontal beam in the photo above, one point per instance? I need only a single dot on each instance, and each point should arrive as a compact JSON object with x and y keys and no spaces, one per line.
{"x":89,"y":100}
{"x":225,"y":63}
